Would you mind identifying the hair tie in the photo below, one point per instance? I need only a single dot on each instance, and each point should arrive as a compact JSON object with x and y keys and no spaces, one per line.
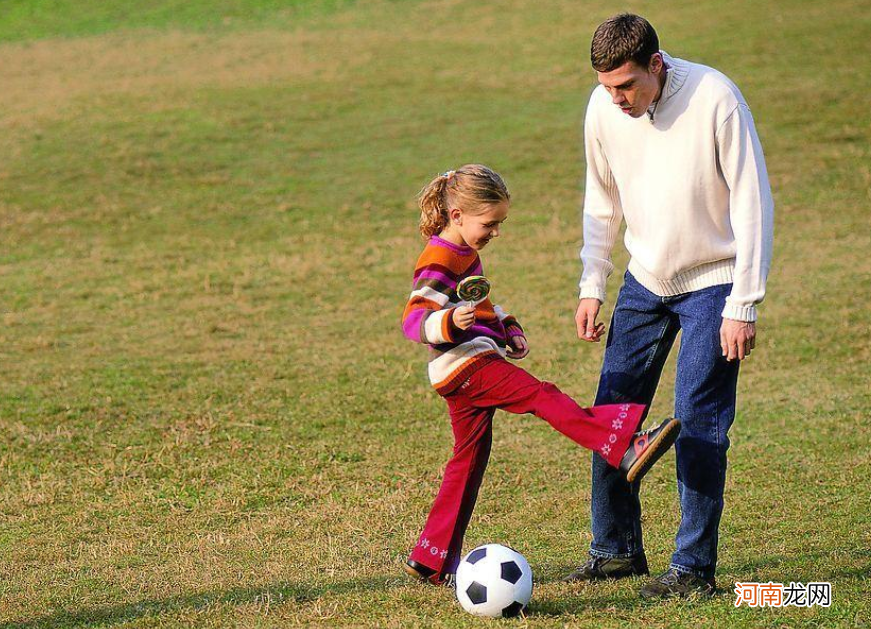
{"x":448,"y":174}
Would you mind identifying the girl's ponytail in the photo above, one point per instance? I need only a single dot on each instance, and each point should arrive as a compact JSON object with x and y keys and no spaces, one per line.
{"x":432,"y":201}
{"x":471,"y":188}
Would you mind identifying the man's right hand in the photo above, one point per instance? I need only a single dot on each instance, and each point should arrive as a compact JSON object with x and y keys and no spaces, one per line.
{"x":585,"y":319}
{"x":464,"y":317}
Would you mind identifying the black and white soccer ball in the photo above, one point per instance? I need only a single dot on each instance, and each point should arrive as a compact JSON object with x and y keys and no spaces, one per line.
{"x":494,"y":580}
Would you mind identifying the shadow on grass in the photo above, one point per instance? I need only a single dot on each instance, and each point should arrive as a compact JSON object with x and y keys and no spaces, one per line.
{"x":622,"y":597}
{"x":578,"y":605}
{"x":278,"y":593}
{"x":620,"y":600}
{"x":582,"y":597}
{"x":786,"y":568}
{"x":783,"y":568}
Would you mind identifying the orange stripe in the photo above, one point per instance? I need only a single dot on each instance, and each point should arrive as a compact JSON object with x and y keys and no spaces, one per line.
{"x":446,"y":327}
{"x":486,"y":316}
{"x":446,"y":258}
{"x":469,"y":364}
{"x":419,"y":303}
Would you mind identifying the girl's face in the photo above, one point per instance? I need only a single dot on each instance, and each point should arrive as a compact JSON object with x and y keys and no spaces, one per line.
{"x":477,"y":230}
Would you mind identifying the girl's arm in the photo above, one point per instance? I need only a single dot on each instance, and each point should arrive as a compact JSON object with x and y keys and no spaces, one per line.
{"x":518,"y":347}
{"x":512,"y":327}
{"x":426,"y":318}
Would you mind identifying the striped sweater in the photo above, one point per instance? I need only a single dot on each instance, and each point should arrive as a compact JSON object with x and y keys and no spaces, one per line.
{"x":454,"y":353}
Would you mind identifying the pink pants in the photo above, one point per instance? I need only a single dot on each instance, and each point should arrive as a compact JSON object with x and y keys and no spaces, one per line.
{"x":500,"y":384}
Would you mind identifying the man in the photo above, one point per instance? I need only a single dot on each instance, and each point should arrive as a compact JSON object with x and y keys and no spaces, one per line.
{"x":672,"y":148}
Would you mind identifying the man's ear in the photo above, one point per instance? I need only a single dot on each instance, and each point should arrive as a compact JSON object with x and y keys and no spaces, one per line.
{"x":656,"y":63}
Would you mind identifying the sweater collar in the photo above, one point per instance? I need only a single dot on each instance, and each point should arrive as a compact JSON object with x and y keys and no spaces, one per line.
{"x":462,"y":250}
{"x":676,"y":72}
{"x":676,"y":75}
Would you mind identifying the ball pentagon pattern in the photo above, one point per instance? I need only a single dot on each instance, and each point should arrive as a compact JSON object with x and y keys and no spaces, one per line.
{"x":494,"y":580}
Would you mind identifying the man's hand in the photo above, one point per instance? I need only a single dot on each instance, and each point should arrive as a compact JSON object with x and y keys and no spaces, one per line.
{"x":737,"y":338}
{"x":517,"y":347}
{"x":464,"y":317}
{"x":585,"y":319}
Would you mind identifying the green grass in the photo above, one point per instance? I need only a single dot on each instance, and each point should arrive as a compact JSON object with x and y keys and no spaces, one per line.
{"x":208,"y":414}
{"x":23,"y":20}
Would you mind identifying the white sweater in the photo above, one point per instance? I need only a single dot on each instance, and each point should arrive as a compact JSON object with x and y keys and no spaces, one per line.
{"x":692,"y":185}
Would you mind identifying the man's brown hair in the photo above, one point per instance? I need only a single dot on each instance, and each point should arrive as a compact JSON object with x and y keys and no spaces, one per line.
{"x":622,"y":38}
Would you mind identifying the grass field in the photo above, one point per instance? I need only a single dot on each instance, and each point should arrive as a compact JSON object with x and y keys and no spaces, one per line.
{"x":208,"y":414}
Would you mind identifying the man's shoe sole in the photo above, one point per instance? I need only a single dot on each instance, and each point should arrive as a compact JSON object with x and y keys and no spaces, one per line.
{"x":663,"y":441}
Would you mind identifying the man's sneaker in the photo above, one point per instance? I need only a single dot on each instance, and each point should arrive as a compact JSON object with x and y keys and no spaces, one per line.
{"x":421,"y":572}
{"x":646,"y":447}
{"x":598,"y":568}
{"x":672,"y":583}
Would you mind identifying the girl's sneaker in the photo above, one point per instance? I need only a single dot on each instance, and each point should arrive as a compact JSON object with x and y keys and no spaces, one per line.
{"x":647,"y":447}
{"x":420,"y":572}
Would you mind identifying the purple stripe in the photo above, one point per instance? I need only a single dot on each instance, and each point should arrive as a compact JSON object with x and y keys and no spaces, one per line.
{"x":483,"y":330}
{"x":435,"y":275}
{"x":434,"y":267}
{"x":477,"y":270}
{"x":413,"y":324}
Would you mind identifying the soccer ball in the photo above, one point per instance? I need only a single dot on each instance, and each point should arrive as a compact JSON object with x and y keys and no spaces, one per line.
{"x":494,"y":580}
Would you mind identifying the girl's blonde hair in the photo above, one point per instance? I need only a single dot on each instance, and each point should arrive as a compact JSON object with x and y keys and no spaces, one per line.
{"x":470,"y":188}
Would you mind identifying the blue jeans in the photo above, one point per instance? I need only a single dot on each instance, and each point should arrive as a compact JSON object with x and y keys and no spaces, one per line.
{"x":643,"y":330}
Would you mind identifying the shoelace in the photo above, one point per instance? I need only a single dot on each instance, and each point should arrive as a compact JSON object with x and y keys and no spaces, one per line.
{"x":645,"y":432}
{"x":594,"y":563}
{"x":669,"y":577}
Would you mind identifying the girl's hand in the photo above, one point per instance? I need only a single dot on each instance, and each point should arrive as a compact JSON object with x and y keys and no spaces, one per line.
{"x":464,"y":317}
{"x":517,"y":347}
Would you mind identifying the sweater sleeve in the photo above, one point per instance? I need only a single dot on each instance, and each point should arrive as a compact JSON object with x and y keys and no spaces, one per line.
{"x":512,"y":326}
{"x":751,"y":211}
{"x":426,"y":319}
{"x":602,"y":214}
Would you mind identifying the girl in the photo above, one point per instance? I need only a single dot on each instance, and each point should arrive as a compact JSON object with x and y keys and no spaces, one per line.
{"x":460,"y":212}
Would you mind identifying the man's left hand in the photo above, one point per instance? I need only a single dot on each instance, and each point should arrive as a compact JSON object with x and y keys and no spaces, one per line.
{"x":737,"y":338}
